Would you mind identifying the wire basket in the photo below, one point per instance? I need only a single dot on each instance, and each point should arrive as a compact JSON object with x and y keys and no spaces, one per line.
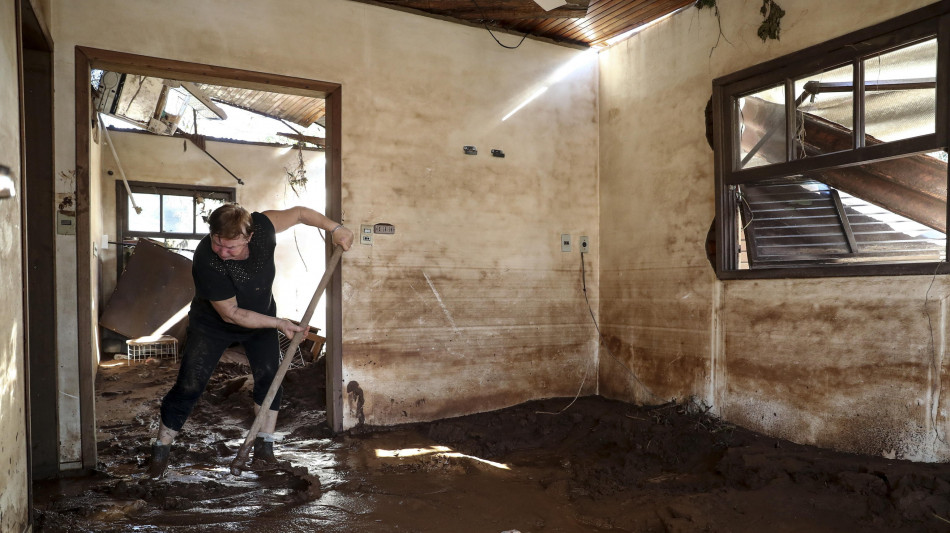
{"x":307,"y":351}
{"x":298,"y":357}
{"x":155,"y":346}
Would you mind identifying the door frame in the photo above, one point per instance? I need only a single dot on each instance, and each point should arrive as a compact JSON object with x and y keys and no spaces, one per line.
{"x":93,"y":58}
{"x":34,"y":47}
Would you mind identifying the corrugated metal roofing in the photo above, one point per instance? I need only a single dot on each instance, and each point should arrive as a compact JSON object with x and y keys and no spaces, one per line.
{"x":301,"y":110}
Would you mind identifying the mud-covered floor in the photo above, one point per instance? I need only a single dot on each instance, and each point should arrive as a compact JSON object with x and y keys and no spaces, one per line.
{"x":598,"y":466}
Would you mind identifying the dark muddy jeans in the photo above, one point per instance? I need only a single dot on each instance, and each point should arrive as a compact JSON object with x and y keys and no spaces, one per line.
{"x":199,"y":358}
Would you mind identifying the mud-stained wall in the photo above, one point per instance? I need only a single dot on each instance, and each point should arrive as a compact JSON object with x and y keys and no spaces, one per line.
{"x":853,"y":364}
{"x":157,"y":159}
{"x":14,"y":505}
{"x":471,"y":305}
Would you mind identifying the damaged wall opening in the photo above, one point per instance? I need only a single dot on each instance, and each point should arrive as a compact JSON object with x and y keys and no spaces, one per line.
{"x":837,"y":165}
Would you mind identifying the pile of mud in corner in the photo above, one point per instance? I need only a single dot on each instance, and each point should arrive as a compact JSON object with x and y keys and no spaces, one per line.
{"x":599,"y":465}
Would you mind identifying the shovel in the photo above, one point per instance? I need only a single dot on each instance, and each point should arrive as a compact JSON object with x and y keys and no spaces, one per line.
{"x":239,"y":462}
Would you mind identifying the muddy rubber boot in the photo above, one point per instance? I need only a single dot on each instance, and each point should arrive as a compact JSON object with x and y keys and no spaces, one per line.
{"x":264,"y":452}
{"x":159,"y":463}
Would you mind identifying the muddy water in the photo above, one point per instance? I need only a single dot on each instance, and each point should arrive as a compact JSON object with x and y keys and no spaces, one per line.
{"x":598,"y":466}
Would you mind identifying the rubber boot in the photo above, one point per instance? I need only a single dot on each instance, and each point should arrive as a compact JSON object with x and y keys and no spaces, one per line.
{"x":264,"y":451}
{"x":159,"y":463}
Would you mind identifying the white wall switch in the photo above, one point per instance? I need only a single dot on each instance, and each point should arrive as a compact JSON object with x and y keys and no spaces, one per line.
{"x":565,"y":242}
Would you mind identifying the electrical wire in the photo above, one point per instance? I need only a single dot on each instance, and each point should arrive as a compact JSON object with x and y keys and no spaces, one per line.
{"x":606,"y":347}
{"x":493,"y":33}
{"x":933,"y":360}
{"x":601,"y":335}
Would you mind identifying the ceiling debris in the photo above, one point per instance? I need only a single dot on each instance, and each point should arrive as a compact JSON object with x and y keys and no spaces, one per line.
{"x":167,"y":107}
{"x":582,"y":23}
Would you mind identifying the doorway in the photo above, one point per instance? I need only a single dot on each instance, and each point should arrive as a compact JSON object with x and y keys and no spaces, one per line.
{"x":88,"y":59}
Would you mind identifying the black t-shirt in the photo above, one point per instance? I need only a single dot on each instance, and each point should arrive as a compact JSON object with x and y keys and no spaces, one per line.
{"x":251,"y":280}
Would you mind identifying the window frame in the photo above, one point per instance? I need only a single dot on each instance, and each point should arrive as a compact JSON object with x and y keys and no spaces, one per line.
{"x":916,"y":26}
{"x":169,"y":189}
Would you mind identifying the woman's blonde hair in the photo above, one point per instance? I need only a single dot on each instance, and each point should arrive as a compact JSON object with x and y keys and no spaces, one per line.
{"x":230,"y":221}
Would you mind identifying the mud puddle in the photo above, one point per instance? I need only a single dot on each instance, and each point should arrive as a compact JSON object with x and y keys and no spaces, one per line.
{"x":599,"y":466}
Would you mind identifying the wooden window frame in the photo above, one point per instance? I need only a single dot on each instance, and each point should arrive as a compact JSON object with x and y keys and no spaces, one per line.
{"x":174,"y":189}
{"x":929,"y":22}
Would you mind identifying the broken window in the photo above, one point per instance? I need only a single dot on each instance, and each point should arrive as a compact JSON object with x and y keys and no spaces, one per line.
{"x":833,"y":160}
{"x":173,"y":215}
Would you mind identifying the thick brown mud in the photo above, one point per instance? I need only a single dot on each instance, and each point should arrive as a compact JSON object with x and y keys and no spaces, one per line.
{"x":599,"y":465}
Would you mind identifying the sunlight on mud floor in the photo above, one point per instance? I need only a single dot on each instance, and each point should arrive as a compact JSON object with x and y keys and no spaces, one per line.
{"x":600,"y":466}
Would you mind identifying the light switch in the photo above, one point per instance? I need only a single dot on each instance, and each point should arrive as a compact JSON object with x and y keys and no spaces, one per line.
{"x":565,"y":242}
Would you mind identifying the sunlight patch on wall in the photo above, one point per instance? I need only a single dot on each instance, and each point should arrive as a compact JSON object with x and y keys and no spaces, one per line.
{"x":564,"y":71}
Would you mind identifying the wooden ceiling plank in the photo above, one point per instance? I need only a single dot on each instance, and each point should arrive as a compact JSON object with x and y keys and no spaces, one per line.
{"x":315,"y":115}
{"x":602,"y":19}
{"x":496,"y":9}
{"x":672,"y":7}
{"x":300,"y":109}
{"x":598,"y":10}
{"x":276,"y":107}
{"x":255,"y":100}
{"x":608,"y":11}
{"x":291,"y":107}
{"x":609,"y":18}
{"x":621,"y":13}
{"x":635,"y":18}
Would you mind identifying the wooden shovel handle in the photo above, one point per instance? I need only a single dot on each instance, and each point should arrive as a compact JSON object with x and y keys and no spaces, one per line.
{"x":244,"y":451}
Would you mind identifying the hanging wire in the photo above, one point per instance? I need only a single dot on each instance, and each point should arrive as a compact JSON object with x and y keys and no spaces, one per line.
{"x":606,"y":347}
{"x":935,"y":396}
{"x":493,"y":33}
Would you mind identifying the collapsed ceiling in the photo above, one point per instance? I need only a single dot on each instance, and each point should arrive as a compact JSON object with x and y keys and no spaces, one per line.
{"x":167,"y":107}
{"x":583,"y":23}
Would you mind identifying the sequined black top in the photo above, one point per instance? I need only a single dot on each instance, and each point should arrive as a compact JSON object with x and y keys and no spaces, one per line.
{"x":251,"y":280}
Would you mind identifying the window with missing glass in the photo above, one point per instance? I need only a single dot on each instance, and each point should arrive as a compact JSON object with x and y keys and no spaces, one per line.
{"x":174,"y":215}
{"x":833,"y":160}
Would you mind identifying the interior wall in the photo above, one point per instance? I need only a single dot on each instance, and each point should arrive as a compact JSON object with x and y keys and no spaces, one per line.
{"x":471,"y":305}
{"x":851,"y":364}
{"x":14,"y":504}
{"x":153,"y":158}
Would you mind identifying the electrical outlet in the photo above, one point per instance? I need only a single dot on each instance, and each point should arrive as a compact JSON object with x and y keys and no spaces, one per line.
{"x":565,"y":242}
{"x":584,"y":244}
{"x":366,"y":234}
{"x":384,"y":228}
